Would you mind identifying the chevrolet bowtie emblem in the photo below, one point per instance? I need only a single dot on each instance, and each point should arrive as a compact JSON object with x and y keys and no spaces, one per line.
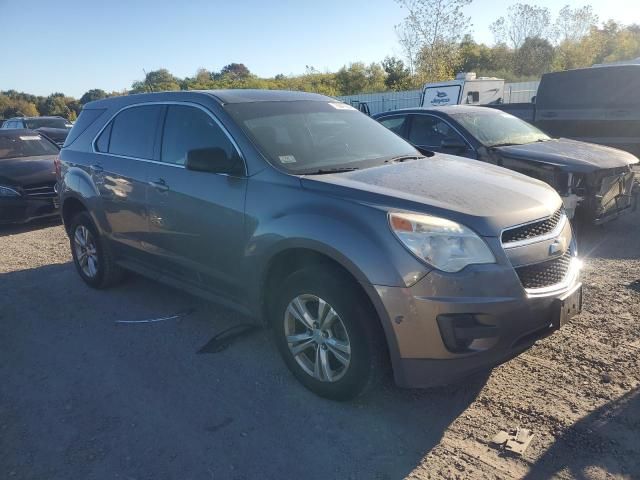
{"x":558,"y":246}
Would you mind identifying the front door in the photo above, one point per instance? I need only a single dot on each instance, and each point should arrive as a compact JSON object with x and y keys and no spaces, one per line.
{"x":196,"y":219}
{"x":432,"y":133}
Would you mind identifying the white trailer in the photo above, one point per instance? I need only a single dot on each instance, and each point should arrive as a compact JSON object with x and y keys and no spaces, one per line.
{"x":466,"y":89}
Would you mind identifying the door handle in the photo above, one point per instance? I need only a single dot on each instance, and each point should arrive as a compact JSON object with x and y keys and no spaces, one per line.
{"x":550,"y":115}
{"x":96,"y":168}
{"x":160,"y":185}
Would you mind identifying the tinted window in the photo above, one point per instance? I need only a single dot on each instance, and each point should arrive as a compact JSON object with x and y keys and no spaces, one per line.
{"x":395,"y":124}
{"x":102,"y":144}
{"x":189,"y":128}
{"x":304,"y":136}
{"x":86,"y":118}
{"x":431,"y":131}
{"x":25,"y":145}
{"x":134,"y":130}
{"x":34,"y":123}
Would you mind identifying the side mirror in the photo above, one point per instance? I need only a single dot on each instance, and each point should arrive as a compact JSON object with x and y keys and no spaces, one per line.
{"x":453,"y":144}
{"x":213,"y":160}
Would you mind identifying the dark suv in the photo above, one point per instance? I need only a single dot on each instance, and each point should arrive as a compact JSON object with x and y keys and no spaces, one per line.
{"x":300,"y":211}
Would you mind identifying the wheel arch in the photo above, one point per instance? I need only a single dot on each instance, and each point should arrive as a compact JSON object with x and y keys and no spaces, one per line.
{"x":291,"y":259}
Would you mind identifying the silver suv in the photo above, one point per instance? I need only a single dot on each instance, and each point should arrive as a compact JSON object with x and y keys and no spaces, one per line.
{"x":305,"y":214}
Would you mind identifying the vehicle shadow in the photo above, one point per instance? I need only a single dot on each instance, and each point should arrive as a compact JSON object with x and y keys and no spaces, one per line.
{"x":13,"y":229}
{"x":84,"y":395}
{"x":612,"y":425}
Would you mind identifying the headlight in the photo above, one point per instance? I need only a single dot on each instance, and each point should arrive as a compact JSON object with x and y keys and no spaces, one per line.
{"x":444,"y":244}
{"x":8,"y":192}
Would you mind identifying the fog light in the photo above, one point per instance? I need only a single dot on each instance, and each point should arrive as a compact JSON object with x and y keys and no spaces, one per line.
{"x":460,"y":330}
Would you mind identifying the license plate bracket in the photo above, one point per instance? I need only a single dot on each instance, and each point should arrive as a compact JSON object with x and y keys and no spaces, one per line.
{"x":566,"y":307}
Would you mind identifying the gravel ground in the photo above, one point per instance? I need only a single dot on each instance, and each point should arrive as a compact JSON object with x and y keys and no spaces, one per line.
{"x":82,"y":396}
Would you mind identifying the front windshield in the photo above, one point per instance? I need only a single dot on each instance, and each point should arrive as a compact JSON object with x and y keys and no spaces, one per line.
{"x":304,"y":137}
{"x":494,"y":128}
{"x":25,"y":145}
{"x":34,"y":123}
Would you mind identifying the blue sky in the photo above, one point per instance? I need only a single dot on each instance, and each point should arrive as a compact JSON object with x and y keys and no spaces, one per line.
{"x":71,"y":46}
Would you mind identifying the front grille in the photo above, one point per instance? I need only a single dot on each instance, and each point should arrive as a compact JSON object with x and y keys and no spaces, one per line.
{"x":45,"y":190}
{"x":545,"y":274}
{"x":615,"y":192}
{"x":531,"y":230}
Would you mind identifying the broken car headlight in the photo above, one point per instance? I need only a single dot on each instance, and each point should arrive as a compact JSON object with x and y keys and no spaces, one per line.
{"x":442,"y":243}
{"x":8,"y":192}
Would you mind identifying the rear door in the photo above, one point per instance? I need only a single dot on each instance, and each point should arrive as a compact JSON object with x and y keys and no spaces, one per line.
{"x":127,"y":145}
{"x":196,"y":219}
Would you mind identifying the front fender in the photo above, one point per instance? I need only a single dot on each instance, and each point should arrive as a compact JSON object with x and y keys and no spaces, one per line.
{"x":372,"y":255}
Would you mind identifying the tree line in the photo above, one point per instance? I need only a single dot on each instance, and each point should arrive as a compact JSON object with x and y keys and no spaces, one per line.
{"x":436,"y":43}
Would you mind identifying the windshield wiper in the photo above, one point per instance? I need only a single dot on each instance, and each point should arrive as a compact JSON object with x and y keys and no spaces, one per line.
{"x":323,"y":171}
{"x":498,"y":145}
{"x":404,"y":158}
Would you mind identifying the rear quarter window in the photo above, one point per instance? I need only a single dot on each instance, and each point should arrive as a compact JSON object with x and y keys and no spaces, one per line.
{"x":84,"y":121}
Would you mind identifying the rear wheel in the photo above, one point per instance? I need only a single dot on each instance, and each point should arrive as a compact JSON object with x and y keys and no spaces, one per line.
{"x":92,"y":258}
{"x":327,"y":333}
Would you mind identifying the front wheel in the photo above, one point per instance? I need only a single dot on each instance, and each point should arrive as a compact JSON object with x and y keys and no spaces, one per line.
{"x":328,"y":334}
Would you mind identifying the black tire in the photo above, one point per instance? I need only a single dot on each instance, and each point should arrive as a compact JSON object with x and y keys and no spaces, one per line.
{"x":368,"y":357}
{"x":107,"y":272}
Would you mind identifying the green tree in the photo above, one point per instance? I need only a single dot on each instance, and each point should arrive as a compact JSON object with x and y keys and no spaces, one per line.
{"x":156,"y":81}
{"x":534,"y":57}
{"x":54,"y":104}
{"x":359,"y":78}
{"x":235,"y":71}
{"x":397,"y":75}
{"x":93,"y":94}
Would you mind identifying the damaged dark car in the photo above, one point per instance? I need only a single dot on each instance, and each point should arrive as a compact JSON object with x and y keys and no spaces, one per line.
{"x":597,"y":183}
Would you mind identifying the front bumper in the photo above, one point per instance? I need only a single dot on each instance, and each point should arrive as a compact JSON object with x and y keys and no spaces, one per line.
{"x":23,"y":209}
{"x":503,"y":320}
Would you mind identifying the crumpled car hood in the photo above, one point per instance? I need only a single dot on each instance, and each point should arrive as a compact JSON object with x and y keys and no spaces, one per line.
{"x":27,"y":170}
{"x":482,"y":196}
{"x":569,"y":155}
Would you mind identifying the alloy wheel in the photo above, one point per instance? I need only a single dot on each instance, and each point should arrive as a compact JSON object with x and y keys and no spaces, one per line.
{"x":86,"y":253}
{"x":317,"y":338}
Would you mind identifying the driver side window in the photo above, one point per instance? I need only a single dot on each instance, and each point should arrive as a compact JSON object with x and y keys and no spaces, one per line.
{"x":430,"y":131}
{"x":189,"y":128}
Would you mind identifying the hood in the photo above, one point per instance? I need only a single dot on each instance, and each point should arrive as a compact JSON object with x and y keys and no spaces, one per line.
{"x":481,"y":196}
{"x":27,"y":170}
{"x":569,"y":155}
{"x":56,"y":134}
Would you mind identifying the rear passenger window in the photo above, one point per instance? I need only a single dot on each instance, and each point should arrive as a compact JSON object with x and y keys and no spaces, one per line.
{"x":133,"y":131}
{"x":189,"y":128}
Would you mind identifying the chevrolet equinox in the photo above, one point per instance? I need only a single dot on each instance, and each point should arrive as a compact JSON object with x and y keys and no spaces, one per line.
{"x":303,"y":213}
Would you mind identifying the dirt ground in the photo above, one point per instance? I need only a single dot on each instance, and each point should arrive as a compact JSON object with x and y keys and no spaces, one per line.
{"x":82,"y":396}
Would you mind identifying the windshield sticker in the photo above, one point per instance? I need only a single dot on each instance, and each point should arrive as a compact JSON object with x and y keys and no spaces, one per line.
{"x":341,"y":106}
{"x":30,"y":137}
{"x":287,"y":159}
